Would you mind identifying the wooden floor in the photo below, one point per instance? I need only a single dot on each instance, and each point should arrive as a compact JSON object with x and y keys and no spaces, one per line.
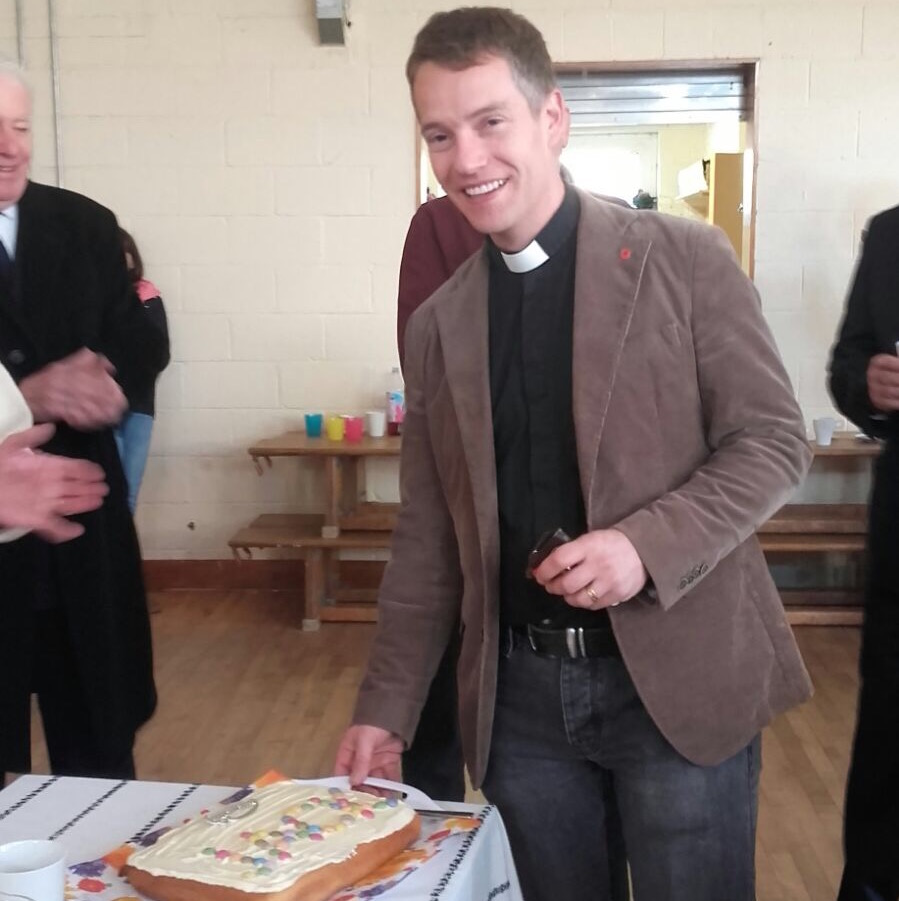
{"x":241,"y":691}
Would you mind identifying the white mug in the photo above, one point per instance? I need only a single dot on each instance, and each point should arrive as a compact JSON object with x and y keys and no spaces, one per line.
{"x":824,"y":428}
{"x":376,"y":423}
{"x":33,"y":870}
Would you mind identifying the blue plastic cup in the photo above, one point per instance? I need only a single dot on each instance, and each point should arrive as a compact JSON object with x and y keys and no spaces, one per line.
{"x":313,"y":425}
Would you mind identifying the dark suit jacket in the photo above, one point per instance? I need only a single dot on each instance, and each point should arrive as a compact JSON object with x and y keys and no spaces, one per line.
{"x":871,"y":326}
{"x":688,"y":438}
{"x":71,"y":290}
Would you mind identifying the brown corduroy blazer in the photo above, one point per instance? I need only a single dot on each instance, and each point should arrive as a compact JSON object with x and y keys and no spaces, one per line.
{"x":688,"y":438}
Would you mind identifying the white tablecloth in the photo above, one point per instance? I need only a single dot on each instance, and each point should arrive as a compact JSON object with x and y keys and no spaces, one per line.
{"x":470,"y":858}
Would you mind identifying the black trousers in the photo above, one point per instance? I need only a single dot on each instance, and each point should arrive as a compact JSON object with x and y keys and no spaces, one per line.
{"x":871,"y":817}
{"x":76,"y":746}
{"x":433,"y":763}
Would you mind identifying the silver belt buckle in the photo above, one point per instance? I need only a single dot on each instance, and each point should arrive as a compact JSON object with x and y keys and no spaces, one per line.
{"x":574,"y":641}
{"x":531,"y":639}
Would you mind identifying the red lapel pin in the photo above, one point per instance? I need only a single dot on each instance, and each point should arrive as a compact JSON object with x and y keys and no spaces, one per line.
{"x":625,"y":253}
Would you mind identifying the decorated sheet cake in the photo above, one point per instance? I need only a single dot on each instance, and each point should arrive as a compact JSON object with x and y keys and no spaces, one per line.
{"x":287,"y":841}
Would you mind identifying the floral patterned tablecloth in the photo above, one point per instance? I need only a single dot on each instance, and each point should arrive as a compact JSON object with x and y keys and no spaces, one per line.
{"x":460,"y":856}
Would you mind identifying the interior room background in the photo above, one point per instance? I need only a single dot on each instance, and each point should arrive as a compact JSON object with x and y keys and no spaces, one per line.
{"x":269,"y":181}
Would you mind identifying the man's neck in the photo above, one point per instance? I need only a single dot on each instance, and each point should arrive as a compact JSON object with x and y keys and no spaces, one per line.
{"x":511,"y":242}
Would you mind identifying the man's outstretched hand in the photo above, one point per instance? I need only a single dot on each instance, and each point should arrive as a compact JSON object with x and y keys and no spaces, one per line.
{"x":38,"y":490}
{"x":366,"y":751}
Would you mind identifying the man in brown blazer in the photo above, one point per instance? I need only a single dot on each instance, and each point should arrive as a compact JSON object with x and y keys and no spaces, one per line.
{"x":608,"y":372}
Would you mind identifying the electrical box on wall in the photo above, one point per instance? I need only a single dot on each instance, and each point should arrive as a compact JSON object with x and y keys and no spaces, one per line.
{"x":331,"y":15}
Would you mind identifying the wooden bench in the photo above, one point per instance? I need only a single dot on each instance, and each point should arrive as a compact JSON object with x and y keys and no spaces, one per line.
{"x":795,"y":529}
{"x":303,"y":532}
{"x":817,"y":529}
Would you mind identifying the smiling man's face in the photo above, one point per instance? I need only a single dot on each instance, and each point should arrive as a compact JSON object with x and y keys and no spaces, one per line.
{"x":496,"y":157}
{"x":15,"y":140}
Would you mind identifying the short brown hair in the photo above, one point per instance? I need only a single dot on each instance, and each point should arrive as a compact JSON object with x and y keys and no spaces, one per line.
{"x":465,"y":37}
{"x":136,"y":272}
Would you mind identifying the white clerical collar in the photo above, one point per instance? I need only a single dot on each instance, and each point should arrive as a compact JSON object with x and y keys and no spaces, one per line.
{"x":532,"y":257}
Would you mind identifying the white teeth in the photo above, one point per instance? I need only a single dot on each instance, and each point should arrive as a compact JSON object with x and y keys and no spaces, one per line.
{"x":485,"y":188}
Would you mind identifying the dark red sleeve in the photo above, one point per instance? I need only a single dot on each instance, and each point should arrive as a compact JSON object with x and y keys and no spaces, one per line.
{"x":439,"y":240}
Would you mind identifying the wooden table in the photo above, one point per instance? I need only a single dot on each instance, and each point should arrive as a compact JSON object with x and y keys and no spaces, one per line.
{"x":346,"y":523}
{"x":824,"y":528}
{"x":335,"y":455}
{"x":847,"y":444}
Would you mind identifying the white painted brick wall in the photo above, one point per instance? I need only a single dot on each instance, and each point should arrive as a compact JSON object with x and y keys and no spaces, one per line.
{"x":269,"y":182}
{"x":266,"y":242}
{"x":198,"y":337}
{"x":277,"y":337}
{"x":330,"y":288}
{"x":333,"y":190}
{"x":230,"y":384}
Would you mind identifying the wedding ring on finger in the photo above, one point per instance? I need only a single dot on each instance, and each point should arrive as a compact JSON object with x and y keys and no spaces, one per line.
{"x":592,"y":594}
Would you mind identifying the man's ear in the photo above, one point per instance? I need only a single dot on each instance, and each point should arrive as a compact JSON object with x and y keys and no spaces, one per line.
{"x":558,"y":120}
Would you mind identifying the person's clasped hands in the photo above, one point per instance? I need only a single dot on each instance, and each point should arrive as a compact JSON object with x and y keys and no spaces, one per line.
{"x":79,"y":390}
{"x":38,"y":490}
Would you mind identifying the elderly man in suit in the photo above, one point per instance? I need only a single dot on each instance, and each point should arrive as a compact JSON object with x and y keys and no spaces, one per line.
{"x":74,"y":627}
{"x":864,"y":381}
{"x":609,"y":372}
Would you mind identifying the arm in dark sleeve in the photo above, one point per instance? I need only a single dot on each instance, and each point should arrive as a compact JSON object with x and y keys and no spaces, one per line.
{"x":137,"y":352}
{"x":438,"y":242}
{"x":154,"y":313}
{"x":422,"y":271}
{"x":857,"y":342}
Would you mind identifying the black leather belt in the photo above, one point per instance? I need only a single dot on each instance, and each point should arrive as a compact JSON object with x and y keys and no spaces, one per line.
{"x":574,"y":642}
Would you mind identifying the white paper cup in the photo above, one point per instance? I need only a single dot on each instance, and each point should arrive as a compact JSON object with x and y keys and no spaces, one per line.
{"x":376,"y":423}
{"x":34,"y":870}
{"x":824,"y":428}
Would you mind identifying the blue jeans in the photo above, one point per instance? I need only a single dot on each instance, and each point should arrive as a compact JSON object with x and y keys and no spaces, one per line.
{"x":132,"y":436}
{"x":562,"y":727}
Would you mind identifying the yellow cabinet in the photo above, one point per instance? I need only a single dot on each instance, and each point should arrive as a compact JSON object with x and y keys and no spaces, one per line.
{"x":714,"y":189}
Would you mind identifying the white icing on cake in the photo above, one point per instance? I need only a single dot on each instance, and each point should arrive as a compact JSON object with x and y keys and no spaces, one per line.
{"x":294,"y":830}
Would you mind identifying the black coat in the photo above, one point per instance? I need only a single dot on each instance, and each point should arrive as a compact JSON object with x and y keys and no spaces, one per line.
{"x":871,"y":326}
{"x":70,"y":289}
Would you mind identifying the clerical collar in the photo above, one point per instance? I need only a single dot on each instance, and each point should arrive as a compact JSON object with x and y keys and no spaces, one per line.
{"x":532,"y":257}
{"x":550,"y":238}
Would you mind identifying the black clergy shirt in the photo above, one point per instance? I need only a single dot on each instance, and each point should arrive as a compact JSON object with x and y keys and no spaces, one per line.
{"x":531,"y":317}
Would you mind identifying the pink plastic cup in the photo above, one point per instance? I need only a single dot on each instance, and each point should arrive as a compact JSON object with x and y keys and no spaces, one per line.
{"x":352,"y":429}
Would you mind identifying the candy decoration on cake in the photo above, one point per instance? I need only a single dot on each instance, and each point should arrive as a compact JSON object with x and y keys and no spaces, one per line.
{"x":275,"y":836}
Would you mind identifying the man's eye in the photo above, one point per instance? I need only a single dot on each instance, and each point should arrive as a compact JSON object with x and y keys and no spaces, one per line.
{"x":435,"y":139}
